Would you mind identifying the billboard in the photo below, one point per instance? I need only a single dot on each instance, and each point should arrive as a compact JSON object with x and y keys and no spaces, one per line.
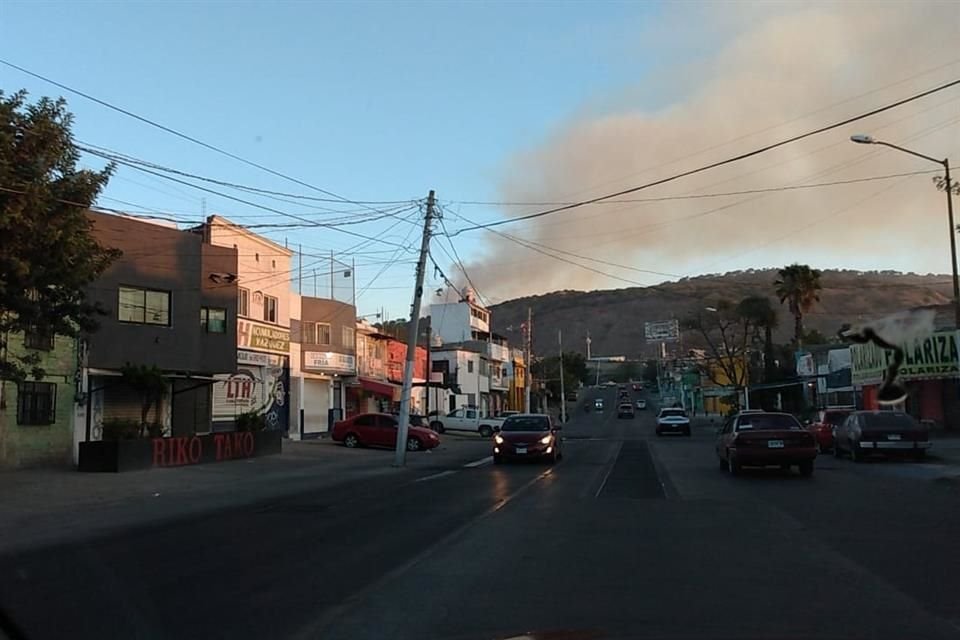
{"x":668,"y":331}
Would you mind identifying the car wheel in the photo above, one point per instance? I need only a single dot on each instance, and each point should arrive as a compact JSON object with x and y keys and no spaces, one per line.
{"x":351,"y":441}
{"x":806,"y":468}
{"x":437,"y":426}
{"x":732,"y":465}
{"x":486,"y":431}
{"x":413,"y":444}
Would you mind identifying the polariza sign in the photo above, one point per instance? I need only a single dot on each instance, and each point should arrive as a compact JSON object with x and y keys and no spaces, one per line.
{"x":931,"y":358}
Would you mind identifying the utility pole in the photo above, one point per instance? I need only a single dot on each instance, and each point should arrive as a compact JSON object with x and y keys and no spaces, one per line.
{"x":412,"y":330}
{"x":563,"y":393}
{"x":300,"y":269}
{"x":527,"y":381}
{"x":588,"y":345}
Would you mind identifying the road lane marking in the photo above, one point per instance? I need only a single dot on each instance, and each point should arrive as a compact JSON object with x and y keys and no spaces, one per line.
{"x":435,"y":476}
{"x":478,"y":463}
{"x":613,"y":463}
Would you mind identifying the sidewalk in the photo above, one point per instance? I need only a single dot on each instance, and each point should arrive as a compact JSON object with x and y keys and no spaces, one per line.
{"x":39,"y":506}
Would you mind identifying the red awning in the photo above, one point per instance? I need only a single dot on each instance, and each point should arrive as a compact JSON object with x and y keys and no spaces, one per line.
{"x":378,"y":387}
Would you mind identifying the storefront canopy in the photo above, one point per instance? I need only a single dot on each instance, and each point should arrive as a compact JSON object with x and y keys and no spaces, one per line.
{"x":378,"y":387}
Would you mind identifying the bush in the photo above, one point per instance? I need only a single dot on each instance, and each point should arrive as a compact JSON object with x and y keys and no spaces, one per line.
{"x":120,"y":430}
{"x":155,"y":430}
{"x":251,"y":421}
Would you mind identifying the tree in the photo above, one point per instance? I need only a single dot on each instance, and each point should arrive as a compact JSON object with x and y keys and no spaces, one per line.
{"x":798,"y":286}
{"x":728,"y":330}
{"x":548,"y":371}
{"x":761,"y":314}
{"x":47,"y":254}
{"x":149,"y":383}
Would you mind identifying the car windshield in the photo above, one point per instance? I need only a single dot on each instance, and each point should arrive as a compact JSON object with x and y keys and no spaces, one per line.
{"x":889,"y":420}
{"x":673,"y":413}
{"x":526,"y":423}
{"x":763,"y":421}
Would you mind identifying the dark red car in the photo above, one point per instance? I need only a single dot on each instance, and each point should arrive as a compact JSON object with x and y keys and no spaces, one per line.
{"x":760,"y":438}
{"x":380,"y":430}
{"x":866,"y":433}
{"x":825,"y":423}
{"x":526,"y":436}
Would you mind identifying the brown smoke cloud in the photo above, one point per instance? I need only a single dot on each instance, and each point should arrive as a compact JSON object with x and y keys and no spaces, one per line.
{"x":763,"y":71}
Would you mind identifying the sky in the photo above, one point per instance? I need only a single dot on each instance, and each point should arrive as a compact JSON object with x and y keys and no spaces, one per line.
{"x":519,"y":102}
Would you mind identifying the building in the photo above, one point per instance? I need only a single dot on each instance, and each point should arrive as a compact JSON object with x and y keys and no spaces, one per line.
{"x":322,"y":362}
{"x":171,"y":306}
{"x":36,"y":416}
{"x":467,"y":367}
{"x":516,"y":381}
{"x":396,"y":365}
{"x":261,"y":381}
{"x":460,"y":321}
{"x":371,"y":391}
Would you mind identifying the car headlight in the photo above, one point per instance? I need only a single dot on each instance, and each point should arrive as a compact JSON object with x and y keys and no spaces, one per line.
{"x":498,"y":439}
{"x":546,"y":439}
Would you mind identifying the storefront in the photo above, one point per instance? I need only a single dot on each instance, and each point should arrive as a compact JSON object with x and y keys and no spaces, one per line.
{"x":261,"y":383}
{"x":322,"y":389}
{"x":929,"y":374}
{"x":367,"y":395}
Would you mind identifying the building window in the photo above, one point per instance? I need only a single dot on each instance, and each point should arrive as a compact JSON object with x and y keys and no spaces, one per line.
{"x":243,"y":302}
{"x":469,"y":366}
{"x":269,"y":309}
{"x":348,"y":337}
{"x":316,"y":333}
{"x":144,"y":306}
{"x":33,"y":338}
{"x":213,"y":320}
{"x":36,"y":403}
{"x":323,"y":333}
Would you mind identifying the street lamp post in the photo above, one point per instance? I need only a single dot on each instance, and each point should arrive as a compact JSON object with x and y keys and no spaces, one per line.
{"x":945,"y":163}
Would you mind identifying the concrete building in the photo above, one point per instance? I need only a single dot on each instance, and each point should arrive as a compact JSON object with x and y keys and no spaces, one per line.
{"x":371,"y":391}
{"x":261,"y":382}
{"x":322,"y":362}
{"x":467,"y":366}
{"x":171,"y":302}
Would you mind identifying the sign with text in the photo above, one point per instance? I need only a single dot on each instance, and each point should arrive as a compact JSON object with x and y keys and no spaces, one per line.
{"x":255,"y":358}
{"x":262,"y":336}
{"x":933,"y":357}
{"x":329,"y":361}
{"x":128,"y":455}
{"x":668,"y":331}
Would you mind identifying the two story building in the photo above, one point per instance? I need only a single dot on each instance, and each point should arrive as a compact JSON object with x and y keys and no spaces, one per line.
{"x":171,"y":304}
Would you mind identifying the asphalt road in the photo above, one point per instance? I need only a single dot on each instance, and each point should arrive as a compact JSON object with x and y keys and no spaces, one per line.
{"x":629,"y":536}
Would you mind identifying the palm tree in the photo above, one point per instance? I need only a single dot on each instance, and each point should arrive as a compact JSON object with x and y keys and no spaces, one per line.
{"x":759,"y":312}
{"x":798,"y":286}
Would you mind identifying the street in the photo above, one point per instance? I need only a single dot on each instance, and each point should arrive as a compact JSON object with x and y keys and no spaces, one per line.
{"x":629,"y":536}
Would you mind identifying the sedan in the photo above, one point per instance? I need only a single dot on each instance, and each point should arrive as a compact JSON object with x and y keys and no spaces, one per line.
{"x":760,"y":438}
{"x":673,"y":421}
{"x":625,"y":410}
{"x":641,"y":404}
{"x":526,"y":436}
{"x":823,"y":426}
{"x":881,"y":432}
{"x":380,"y":430}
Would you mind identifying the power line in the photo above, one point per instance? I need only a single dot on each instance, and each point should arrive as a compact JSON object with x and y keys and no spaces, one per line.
{"x":719,"y":163}
{"x":458,"y":261}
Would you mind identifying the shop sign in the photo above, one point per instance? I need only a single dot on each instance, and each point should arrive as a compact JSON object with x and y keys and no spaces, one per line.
{"x":329,"y":361}
{"x":805,"y":366}
{"x":255,"y":358}
{"x":265,"y":337}
{"x":930,"y":358}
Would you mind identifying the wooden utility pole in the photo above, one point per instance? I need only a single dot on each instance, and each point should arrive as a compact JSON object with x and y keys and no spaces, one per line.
{"x":412,"y":330}
{"x":529,"y":379}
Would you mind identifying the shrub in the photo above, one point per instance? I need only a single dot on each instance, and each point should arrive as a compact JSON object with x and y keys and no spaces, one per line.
{"x":251,"y":421}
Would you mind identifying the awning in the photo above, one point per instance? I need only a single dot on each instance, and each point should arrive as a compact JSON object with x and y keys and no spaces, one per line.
{"x":378,"y":387}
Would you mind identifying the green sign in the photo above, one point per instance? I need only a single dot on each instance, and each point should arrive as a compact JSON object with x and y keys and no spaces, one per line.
{"x":932,"y":358}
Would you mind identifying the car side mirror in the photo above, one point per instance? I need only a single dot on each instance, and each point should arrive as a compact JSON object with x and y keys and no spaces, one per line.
{"x":496,"y":429}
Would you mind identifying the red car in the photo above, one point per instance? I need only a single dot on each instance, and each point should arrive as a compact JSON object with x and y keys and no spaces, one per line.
{"x":527,"y":435}
{"x":380,"y":430}
{"x":865,"y":433}
{"x":760,"y":438}
{"x":826,"y":422}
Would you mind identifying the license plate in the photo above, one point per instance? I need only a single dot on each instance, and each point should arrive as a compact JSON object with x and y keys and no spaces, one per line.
{"x":521,"y":449}
{"x":893,"y":436}
{"x":774,"y":444}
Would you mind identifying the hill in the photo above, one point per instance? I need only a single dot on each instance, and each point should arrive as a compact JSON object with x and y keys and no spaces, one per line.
{"x":615,"y":318}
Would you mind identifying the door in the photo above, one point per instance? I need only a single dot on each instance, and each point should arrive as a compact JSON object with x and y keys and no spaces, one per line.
{"x":366,"y":427}
{"x":386,"y":431}
{"x":723,"y":440}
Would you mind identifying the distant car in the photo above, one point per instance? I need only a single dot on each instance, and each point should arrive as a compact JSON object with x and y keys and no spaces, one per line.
{"x":641,"y":404}
{"x":637,"y":386}
{"x":380,"y":430}
{"x":598,"y":404}
{"x":824,"y":424}
{"x":881,"y":432}
{"x":673,"y":421}
{"x":611,"y":383}
{"x":527,"y":435}
{"x":760,"y":438}
{"x":625,"y":410}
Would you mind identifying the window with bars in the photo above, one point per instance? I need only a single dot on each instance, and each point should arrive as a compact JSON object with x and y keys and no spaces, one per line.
{"x":316,"y":333}
{"x":36,"y":403}
{"x":34,"y":338}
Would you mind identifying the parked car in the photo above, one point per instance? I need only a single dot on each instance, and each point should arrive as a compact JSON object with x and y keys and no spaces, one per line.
{"x":598,"y":404}
{"x":527,"y":435}
{"x":380,"y":430}
{"x":824,"y":424}
{"x":625,"y":410}
{"x":760,"y":438}
{"x":641,"y":404}
{"x":881,"y":432}
{"x":673,"y":421}
{"x":466,"y":419}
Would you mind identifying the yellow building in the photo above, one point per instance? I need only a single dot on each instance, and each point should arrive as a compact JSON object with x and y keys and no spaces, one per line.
{"x":719,"y":391}
{"x":516,"y":394}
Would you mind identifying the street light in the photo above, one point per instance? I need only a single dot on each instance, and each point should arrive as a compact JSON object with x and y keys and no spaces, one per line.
{"x":945,"y":163}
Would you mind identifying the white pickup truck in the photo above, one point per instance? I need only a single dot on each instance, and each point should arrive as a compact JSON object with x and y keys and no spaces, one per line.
{"x":466,"y":420}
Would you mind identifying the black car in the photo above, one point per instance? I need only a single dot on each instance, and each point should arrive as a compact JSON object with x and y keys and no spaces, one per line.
{"x":866,"y":433}
{"x":625,"y":410}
